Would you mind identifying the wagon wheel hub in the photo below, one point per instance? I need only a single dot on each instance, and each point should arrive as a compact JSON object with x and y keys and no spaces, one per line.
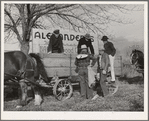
{"x":62,"y":89}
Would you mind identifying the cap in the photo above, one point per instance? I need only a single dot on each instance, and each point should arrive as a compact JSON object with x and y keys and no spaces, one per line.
{"x":56,"y":31}
{"x":104,"y":38}
{"x":87,"y":36}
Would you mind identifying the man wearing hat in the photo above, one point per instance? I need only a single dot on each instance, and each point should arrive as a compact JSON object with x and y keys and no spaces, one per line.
{"x":56,"y":43}
{"x":82,"y":62}
{"x":86,"y":40}
{"x":110,"y":50}
{"x":103,"y":63}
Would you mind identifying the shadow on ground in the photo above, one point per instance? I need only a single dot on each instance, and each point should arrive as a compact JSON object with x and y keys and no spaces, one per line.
{"x":133,"y":80}
{"x":13,"y":93}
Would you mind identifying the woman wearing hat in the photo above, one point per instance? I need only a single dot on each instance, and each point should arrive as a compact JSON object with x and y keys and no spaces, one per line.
{"x":56,"y":43}
{"x":86,"y":40}
{"x":110,"y":50}
{"x":82,"y":62}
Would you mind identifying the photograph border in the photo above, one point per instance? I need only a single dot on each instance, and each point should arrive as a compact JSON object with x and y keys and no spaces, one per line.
{"x":77,"y":115}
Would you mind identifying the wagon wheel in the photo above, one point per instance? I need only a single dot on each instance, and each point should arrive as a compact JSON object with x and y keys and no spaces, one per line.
{"x":112,"y":89}
{"x":62,"y":89}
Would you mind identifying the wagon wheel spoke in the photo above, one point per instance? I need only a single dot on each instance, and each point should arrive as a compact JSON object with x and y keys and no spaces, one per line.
{"x":64,"y":93}
{"x":58,"y":94}
{"x":61,"y":94}
{"x":60,"y":84}
{"x":67,"y":91}
{"x":60,"y":97}
{"x":66,"y":84}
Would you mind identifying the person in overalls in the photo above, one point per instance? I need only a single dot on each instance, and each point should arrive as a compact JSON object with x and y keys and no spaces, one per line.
{"x":56,"y":43}
{"x":103,"y":64}
{"x":82,"y":62}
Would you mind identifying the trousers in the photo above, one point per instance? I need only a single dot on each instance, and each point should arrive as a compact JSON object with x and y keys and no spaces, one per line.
{"x":112,"y":67}
{"x":102,"y":89}
{"x":85,"y":91}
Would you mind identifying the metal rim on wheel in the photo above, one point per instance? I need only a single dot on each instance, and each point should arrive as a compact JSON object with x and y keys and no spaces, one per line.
{"x":112,"y":88}
{"x":62,"y":89}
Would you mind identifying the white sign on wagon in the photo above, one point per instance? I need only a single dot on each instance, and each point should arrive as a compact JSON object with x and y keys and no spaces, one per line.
{"x":41,"y":37}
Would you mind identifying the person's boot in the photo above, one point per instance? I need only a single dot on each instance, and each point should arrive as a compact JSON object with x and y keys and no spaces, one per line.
{"x":95,"y":97}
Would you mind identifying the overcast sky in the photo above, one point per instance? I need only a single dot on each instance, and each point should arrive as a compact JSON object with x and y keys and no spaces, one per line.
{"x":131,"y":32}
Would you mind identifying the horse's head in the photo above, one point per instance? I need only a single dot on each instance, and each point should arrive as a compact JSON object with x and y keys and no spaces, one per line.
{"x":134,"y":57}
{"x":137,"y":58}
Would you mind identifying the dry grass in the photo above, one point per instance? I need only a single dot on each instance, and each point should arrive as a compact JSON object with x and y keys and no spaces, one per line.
{"x":129,"y":97}
{"x":129,"y":71}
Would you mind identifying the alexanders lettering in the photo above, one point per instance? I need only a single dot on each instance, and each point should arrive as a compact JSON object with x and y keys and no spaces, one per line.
{"x":66,"y":37}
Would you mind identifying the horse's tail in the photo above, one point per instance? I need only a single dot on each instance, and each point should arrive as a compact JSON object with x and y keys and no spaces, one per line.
{"x":40,"y":66}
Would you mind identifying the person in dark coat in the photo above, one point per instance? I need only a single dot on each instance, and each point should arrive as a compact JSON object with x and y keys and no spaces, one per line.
{"x":56,"y":43}
{"x":86,"y":40}
{"x":111,"y":51}
{"x":103,"y":64}
{"x":82,"y":62}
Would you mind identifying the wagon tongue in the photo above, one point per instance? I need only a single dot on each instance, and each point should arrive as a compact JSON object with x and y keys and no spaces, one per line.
{"x":42,"y":83}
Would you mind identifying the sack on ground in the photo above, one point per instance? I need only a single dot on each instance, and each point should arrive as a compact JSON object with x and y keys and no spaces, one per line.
{"x":91,"y":76}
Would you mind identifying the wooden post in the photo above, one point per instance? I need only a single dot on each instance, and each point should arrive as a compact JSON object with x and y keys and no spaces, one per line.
{"x":121,"y":64}
{"x":70,"y":65}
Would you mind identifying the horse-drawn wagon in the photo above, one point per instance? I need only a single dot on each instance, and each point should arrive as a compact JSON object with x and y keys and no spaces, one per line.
{"x":59,"y":68}
{"x":60,"y":71}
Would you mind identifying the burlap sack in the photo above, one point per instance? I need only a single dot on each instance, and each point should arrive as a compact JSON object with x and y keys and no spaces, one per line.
{"x":91,"y":76}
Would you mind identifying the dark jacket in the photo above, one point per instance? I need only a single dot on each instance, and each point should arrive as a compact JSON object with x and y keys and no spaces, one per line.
{"x":105,"y":62}
{"x":88,"y":43}
{"x":109,"y":48}
{"x":56,"y":44}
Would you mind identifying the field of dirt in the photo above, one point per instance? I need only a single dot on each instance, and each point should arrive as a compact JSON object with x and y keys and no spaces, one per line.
{"x":129,"y":97}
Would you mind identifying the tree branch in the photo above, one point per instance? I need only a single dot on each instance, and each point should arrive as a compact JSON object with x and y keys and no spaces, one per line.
{"x":14,"y":28}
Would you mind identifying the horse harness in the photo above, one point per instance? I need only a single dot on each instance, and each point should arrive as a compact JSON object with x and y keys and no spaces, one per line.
{"x":29,"y":67}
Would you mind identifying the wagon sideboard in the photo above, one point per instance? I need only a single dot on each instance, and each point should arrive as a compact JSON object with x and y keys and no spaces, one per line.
{"x":63,"y":64}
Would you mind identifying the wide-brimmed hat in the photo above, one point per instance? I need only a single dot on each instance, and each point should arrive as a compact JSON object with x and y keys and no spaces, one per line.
{"x":87,"y":36}
{"x":104,"y":38}
{"x":56,"y":31}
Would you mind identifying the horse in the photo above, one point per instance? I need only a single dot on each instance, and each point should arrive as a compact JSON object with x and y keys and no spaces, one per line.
{"x":26,"y":70}
{"x":137,"y":59}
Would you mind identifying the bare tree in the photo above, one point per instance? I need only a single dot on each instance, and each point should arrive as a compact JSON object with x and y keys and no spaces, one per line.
{"x":21,"y":18}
